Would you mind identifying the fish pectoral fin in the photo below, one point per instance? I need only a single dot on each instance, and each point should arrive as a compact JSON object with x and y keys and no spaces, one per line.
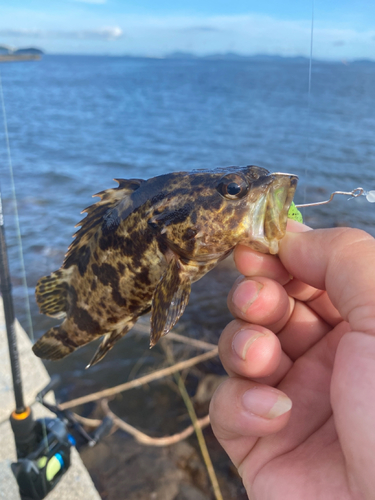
{"x":51,"y":294}
{"x":169,"y":300}
{"x":108,"y":342}
{"x":166,"y":216}
{"x":54,"y":344}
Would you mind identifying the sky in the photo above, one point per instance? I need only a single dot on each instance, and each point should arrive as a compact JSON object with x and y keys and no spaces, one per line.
{"x":343,"y":29}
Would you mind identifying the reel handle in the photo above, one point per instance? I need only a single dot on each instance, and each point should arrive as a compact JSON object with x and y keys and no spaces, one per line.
{"x":103,"y":429}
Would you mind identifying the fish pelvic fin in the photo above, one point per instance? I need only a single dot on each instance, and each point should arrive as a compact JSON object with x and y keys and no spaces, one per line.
{"x":108,"y":342}
{"x":51,"y":294}
{"x":169,"y":300}
{"x":55,"y":344}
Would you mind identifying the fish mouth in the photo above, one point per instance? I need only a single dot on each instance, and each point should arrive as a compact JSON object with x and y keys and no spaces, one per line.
{"x":271,"y":216}
{"x":279,"y":199}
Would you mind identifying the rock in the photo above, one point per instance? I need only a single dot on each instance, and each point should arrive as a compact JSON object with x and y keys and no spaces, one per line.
{"x":189,"y":492}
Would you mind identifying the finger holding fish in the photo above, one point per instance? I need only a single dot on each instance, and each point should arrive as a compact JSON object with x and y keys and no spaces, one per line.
{"x":266,"y":304}
{"x":255,"y":264}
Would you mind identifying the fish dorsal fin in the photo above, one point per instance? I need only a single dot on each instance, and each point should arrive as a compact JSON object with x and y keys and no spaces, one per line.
{"x":125,"y":187}
{"x":169,"y":300}
{"x":105,"y":211}
{"x":109,"y":198}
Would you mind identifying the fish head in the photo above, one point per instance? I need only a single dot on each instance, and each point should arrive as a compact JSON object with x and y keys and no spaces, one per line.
{"x":209,"y":212}
{"x":262,"y":212}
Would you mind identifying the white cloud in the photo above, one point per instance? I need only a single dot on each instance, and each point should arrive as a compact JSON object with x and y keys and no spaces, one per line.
{"x":105,"y":33}
{"x":159,"y":35}
{"x":33,"y":33}
{"x":245,"y":34}
{"x":110,"y":32}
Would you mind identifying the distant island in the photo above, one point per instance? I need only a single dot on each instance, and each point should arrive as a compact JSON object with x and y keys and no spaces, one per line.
{"x":9,"y":54}
{"x":232,"y":56}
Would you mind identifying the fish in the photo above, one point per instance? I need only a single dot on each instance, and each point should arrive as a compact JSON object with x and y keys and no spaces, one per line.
{"x":143,"y":244}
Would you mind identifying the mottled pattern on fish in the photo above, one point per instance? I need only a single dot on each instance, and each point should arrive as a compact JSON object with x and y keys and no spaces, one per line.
{"x":143,"y":244}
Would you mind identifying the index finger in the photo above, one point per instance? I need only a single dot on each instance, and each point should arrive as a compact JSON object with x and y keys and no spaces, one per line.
{"x":340,"y":261}
{"x":252,"y":263}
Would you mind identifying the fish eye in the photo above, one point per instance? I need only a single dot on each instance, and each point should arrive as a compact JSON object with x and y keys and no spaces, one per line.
{"x":233,"y":186}
{"x":233,"y":189}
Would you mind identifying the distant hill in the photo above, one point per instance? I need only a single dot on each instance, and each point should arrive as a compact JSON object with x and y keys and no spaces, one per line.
{"x":362,"y":61}
{"x":232,"y":56}
{"x":181,"y":55}
{"x":7,"y":49}
{"x":28,"y":50}
{"x":10,"y":54}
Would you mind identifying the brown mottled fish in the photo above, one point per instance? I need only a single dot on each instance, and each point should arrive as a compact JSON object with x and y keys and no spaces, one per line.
{"x":142,"y":245}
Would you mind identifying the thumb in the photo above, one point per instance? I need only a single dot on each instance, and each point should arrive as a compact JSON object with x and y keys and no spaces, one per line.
{"x":342,"y":261}
{"x":353,"y":404}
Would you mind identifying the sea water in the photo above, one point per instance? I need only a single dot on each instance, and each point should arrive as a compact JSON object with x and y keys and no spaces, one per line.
{"x":77,"y":122}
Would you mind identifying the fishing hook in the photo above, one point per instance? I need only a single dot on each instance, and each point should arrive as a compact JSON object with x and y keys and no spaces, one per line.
{"x":370,"y":196}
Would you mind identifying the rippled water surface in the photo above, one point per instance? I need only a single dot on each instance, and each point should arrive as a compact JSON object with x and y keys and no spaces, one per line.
{"x":75,"y":123}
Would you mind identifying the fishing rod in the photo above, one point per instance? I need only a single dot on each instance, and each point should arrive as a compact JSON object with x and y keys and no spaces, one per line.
{"x":33,"y":479}
{"x":43,"y":446}
{"x":21,"y":419}
{"x":43,"y":450}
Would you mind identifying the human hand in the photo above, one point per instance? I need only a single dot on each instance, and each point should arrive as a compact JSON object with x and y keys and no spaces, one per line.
{"x":307,"y":341}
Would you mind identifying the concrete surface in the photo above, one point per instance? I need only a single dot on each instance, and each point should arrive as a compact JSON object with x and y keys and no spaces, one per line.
{"x":76,"y":483}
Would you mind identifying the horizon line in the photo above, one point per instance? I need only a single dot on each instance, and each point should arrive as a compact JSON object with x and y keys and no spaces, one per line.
{"x":214,"y":55}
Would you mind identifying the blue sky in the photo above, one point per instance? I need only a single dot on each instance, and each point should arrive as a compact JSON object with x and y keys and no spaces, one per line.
{"x":343,"y":29}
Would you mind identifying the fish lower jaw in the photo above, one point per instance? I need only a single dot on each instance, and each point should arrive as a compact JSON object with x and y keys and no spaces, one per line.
{"x":273,"y":246}
{"x":263,"y":245}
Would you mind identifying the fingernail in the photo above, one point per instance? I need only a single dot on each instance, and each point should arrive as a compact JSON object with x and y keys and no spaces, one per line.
{"x":245,"y":294}
{"x":243,"y":340}
{"x":266,"y":403}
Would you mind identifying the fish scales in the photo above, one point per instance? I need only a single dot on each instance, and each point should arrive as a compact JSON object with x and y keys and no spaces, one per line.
{"x":143,"y":244}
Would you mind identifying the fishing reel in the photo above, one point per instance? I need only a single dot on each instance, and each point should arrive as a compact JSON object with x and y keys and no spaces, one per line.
{"x":43,"y":446}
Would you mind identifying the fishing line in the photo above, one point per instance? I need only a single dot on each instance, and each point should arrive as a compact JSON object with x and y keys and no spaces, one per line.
{"x":370,"y":195}
{"x":309,"y":97}
{"x":311,"y":45}
{"x":18,"y":229}
{"x":19,"y":239}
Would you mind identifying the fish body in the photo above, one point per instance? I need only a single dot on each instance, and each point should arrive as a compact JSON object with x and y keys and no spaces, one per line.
{"x":145,"y":242}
